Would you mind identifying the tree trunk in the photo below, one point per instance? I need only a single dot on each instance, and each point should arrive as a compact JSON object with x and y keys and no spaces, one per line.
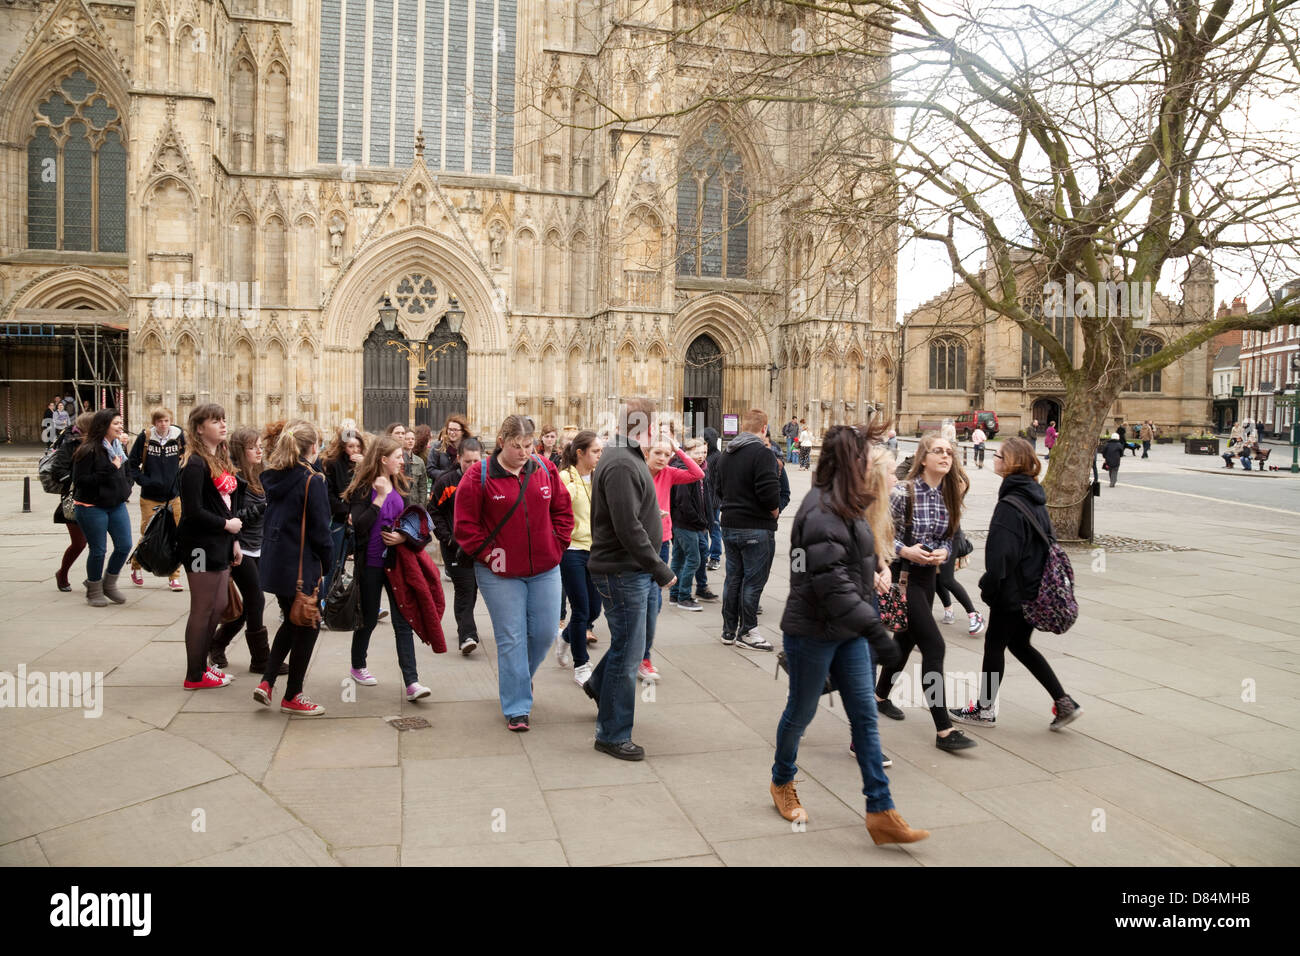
{"x":1069,"y":473}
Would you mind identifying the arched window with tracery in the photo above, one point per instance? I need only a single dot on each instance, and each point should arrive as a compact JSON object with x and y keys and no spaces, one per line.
{"x":76,"y":171}
{"x":948,"y":364}
{"x":712,"y":208}
{"x":1147,"y":346}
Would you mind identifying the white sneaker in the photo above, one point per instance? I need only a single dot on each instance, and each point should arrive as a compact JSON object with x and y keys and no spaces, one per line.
{"x":563,"y":652}
{"x":754,"y":640}
{"x":582,"y":673}
{"x":976,"y":623}
{"x":948,"y":616}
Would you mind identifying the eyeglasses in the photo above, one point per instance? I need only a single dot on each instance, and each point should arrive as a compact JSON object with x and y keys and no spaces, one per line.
{"x":946,"y":452}
{"x":999,"y":455}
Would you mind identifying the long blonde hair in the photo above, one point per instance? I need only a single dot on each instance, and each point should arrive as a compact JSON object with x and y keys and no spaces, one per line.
{"x":218,"y":461}
{"x":293,"y":445}
{"x":880,"y":466}
{"x":368,"y":470}
{"x":954,"y":484}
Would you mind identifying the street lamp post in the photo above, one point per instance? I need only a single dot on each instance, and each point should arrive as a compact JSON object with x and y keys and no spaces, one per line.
{"x":419,"y":351}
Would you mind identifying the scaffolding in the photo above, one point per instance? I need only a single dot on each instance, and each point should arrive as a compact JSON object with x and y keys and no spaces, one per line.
{"x":92,"y":359}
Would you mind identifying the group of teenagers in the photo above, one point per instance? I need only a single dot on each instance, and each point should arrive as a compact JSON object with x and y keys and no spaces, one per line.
{"x":532,"y":527}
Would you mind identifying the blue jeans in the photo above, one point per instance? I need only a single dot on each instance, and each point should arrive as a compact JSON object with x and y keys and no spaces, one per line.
{"x":715,"y":536}
{"x":749,"y":559}
{"x":628,"y":597}
{"x":652,"y":612}
{"x":849,"y":663}
{"x":99,"y":524}
{"x":581,"y":591}
{"x":524,"y":612}
{"x":374,"y":582}
{"x":686,"y":562}
{"x":701,"y":571}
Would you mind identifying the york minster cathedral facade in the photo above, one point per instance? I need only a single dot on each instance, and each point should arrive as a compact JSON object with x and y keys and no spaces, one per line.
{"x":224,"y":200}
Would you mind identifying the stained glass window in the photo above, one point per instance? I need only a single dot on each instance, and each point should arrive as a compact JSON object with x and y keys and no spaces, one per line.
{"x":712,"y":208}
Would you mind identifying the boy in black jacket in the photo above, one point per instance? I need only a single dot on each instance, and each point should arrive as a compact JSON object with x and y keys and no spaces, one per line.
{"x":746,"y":481}
{"x":459,"y":565}
{"x":155,"y":465}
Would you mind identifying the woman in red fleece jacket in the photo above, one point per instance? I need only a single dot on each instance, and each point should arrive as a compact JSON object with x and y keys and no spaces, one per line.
{"x":514,"y":519}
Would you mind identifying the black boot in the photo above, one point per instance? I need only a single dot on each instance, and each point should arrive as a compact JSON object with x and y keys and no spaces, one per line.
{"x":259,"y":650}
{"x":220,"y":641}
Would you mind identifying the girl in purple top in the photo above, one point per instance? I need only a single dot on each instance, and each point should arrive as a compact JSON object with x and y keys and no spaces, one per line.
{"x":376,"y":504}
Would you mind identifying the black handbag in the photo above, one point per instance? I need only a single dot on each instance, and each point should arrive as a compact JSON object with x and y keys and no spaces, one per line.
{"x":158,"y":551}
{"x":961,"y":545}
{"x":343,"y":603}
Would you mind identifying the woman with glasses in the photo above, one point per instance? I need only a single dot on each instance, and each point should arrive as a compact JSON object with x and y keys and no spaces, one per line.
{"x":926,"y":508}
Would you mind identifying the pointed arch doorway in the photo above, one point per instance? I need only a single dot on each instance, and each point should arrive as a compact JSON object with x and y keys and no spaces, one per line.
{"x":702,"y":386}
{"x":448,"y":376}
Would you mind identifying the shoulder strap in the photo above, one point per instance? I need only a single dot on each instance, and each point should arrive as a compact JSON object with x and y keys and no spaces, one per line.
{"x":302,"y":538}
{"x":1028,"y":512}
{"x":908,"y":536}
{"x":523,"y":490}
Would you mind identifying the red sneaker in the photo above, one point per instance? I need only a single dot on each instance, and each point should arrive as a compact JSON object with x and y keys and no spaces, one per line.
{"x":262,"y":693}
{"x":300,"y":705}
{"x":137,"y":578}
{"x":209,"y":680}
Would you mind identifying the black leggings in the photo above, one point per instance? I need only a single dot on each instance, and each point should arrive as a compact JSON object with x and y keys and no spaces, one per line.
{"x":948,"y":583}
{"x":1008,"y":630}
{"x":208,"y":593}
{"x":295,"y":643}
{"x":921,"y":632}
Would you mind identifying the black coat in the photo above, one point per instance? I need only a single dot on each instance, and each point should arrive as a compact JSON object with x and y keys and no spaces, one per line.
{"x":832,"y":575}
{"x":203,"y":519}
{"x":442,"y":512}
{"x":689,"y":505}
{"x":1113,"y":452}
{"x":282,"y":526}
{"x":66,"y":444}
{"x":97,"y":481}
{"x":1014,"y":554}
{"x":338,"y":475}
{"x":747,"y":484}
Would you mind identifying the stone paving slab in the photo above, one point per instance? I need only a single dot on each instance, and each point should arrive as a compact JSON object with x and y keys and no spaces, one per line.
{"x":1168,"y":644}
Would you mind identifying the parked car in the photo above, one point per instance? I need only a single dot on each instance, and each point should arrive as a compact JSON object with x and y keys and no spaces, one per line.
{"x":967,"y":421}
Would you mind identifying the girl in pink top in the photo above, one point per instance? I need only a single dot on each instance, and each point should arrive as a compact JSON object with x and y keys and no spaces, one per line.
{"x":665,"y":476}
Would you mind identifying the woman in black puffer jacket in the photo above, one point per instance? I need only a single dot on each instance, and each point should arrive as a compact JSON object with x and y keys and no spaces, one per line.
{"x":1014,"y":558}
{"x":830,"y":627}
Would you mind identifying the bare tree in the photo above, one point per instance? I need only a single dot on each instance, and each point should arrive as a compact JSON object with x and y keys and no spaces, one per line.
{"x":1098,"y":143}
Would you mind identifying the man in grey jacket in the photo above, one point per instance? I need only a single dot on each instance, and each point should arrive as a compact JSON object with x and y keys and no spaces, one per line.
{"x":626,"y":531}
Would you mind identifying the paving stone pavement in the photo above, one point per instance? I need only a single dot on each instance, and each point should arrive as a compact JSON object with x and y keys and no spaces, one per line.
{"x":1186,"y":664}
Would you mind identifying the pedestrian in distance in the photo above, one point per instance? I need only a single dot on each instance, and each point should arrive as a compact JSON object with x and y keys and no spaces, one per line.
{"x":581,"y":456}
{"x":791,"y":433}
{"x":1111,"y":454}
{"x":445,"y":454}
{"x":805,"y":446}
{"x":246,"y":453}
{"x":65,"y":447}
{"x":339,"y":463}
{"x":948,"y":432}
{"x":978,"y":439}
{"x":627,"y":567}
{"x":376,"y":499}
{"x":514,"y":519}
{"x":155,"y":465}
{"x":1031,"y":433}
{"x":831,"y":629}
{"x":100,"y":488}
{"x":947,"y":587}
{"x":442,"y":511}
{"x":417,"y":445}
{"x":748,"y":485}
{"x":208,"y":537}
{"x":1015,"y":557}
{"x":926,"y":509}
{"x":548,"y":445}
{"x":1049,"y":438}
{"x":713,"y":450}
{"x":1149,"y":434}
{"x":295,"y":549}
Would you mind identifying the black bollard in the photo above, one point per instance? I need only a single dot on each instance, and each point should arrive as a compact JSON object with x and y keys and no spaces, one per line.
{"x":27,"y":494}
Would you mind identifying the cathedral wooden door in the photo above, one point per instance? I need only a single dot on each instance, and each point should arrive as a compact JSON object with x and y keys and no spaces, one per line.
{"x":386,"y":383}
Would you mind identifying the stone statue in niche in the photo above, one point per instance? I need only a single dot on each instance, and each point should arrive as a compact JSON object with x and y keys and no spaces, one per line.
{"x":337,"y":227}
{"x":417,"y":205}
{"x":497,"y":238}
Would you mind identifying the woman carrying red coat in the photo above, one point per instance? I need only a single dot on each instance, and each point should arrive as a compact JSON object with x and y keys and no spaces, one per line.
{"x":513,"y":519}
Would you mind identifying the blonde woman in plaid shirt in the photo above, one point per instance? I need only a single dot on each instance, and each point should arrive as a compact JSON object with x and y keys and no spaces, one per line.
{"x":939,"y":486}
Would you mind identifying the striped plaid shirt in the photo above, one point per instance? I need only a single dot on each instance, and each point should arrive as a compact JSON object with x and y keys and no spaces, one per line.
{"x":929,"y":516}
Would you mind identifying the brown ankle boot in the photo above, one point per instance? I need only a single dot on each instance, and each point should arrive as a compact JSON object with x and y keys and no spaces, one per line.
{"x":889,"y":827}
{"x":787,"y":802}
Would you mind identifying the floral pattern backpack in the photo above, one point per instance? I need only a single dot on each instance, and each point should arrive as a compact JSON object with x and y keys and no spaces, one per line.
{"x":1055,"y":609}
